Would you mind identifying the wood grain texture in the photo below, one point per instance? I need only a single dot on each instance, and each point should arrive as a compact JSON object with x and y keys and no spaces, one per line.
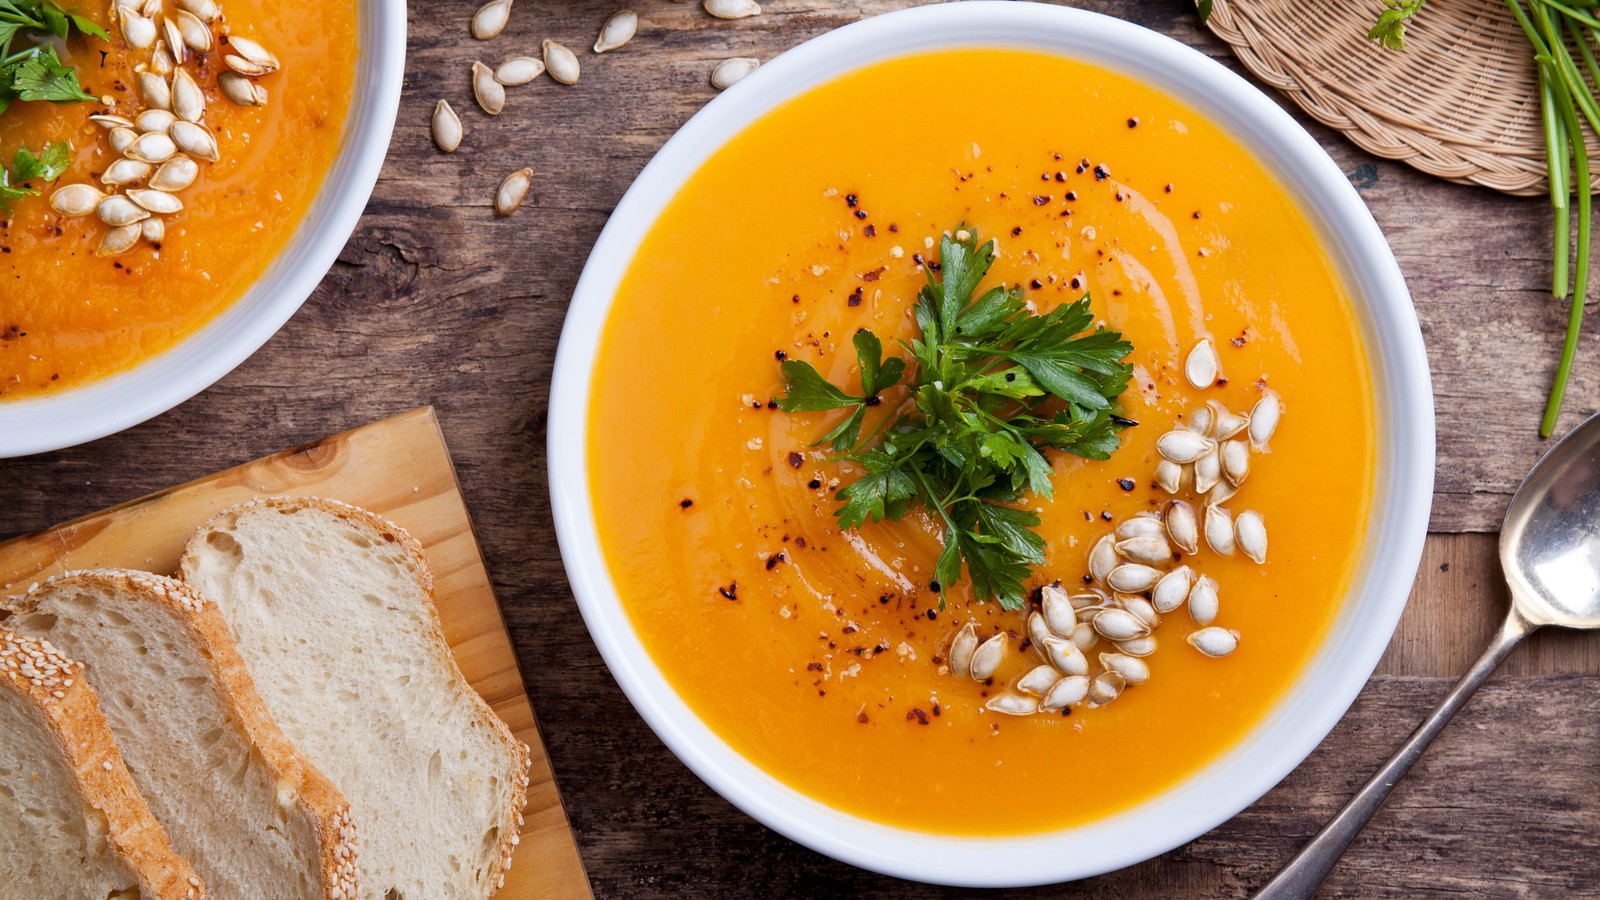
{"x":434,"y":300}
{"x":400,"y":469}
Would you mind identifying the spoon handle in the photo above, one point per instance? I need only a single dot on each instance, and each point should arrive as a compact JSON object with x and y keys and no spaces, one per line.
{"x":1300,"y":878}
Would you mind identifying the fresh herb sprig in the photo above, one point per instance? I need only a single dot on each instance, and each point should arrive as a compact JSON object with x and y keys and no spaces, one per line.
{"x":34,"y":71}
{"x":47,"y":165}
{"x":991,"y":386}
{"x":1389,"y":30}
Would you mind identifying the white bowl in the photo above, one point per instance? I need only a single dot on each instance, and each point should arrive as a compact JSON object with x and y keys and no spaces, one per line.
{"x":1393,"y":547}
{"x":109,"y":405}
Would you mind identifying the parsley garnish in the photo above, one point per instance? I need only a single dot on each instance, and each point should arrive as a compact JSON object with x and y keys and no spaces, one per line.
{"x":35,"y":72}
{"x":47,"y":165}
{"x":992,"y":385}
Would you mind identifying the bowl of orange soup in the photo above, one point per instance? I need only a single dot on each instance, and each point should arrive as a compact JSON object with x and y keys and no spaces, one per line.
{"x":1212,"y":591}
{"x":230,"y":151}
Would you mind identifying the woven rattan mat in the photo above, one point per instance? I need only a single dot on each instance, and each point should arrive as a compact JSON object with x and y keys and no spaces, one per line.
{"x":1460,"y":101}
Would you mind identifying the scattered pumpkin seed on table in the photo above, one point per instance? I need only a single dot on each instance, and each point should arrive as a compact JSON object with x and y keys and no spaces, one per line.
{"x":491,"y":19}
{"x":733,"y":9}
{"x":560,"y":62}
{"x":446,"y":127}
{"x":491,"y":94}
{"x":518,"y":70}
{"x":618,"y":29}
{"x":731,"y":71}
{"x":512,"y":191}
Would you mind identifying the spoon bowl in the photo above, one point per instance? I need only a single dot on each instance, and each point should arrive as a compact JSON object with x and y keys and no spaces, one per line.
{"x":1550,"y":543}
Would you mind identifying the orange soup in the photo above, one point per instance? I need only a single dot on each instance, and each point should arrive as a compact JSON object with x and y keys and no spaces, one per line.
{"x":823,"y":655}
{"x":68,"y":315}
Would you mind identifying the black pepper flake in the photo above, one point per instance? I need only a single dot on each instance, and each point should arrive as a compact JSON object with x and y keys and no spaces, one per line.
{"x":1126,"y":484}
{"x":1195,"y":215}
{"x":731,"y":591}
{"x":855,"y":297}
{"x":814,"y":667}
{"x":1061,"y":176}
{"x":848,"y":629}
{"x":862,"y":717}
{"x":1041,"y":199}
{"x":934,"y":586}
{"x":772,"y":404}
{"x":1011,"y":376}
{"x":871,"y":231}
{"x":874,"y":400}
{"x":1088,"y":579}
{"x":1016,"y":231}
{"x":919,"y":715}
{"x":1101,"y":173}
{"x":932,"y":614}
{"x":795,"y":459}
{"x":685,"y":503}
{"x":795,"y":299}
{"x":1105,"y":515}
{"x":1072,"y":195}
{"x":861,"y":214}
{"x":893,"y":228}
{"x":1168,"y":188}
{"x":885,"y":598}
{"x":781,"y":355}
{"x":814,"y":484}
{"x":1036,"y":284}
{"x":874,"y":275}
{"x":1082,"y":167}
{"x":850,"y":200}
{"x":937,"y":709}
{"x":801,"y":543}
{"x":883,"y":647}
{"x":1133,"y":122}
{"x":917,"y":258}
{"x":1044,"y":176}
{"x":1119,"y":197}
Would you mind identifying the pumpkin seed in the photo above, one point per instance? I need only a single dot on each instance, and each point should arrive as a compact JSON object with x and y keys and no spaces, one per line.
{"x":512,"y":190}
{"x":1084,"y":636}
{"x":175,"y":42}
{"x":617,"y":30}
{"x":519,"y":70}
{"x":1141,"y":608}
{"x":241,"y":66}
{"x":1013,"y":704}
{"x":447,"y":131}
{"x":1119,"y":625}
{"x":240,"y":90}
{"x":1201,"y":420}
{"x":117,"y":210}
{"x":1183,"y":529}
{"x":153,"y":88}
{"x":1203,"y":601}
{"x":126,"y":171}
{"x":175,"y":174}
{"x":161,"y":61}
{"x":188,"y":101}
{"x":491,"y":19}
{"x":1131,"y":578}
{"x":1059,"y":615}
{"x":75,"y":199}
{"x":491,"y":94}
{"x":156,"y":201}
{"x":149,"y":8}
{"x":1220,"y":493}
{"x":122,"y":138}
{"x":1169,"y":476}
{"x":1202,"y":367}
{"x":1207,"y":471}
{"x":205,"y":10}
{"x":1183,"y":446}
{"x":962,"y":646}
{"x":1132,"y":669}
{"x":1064,"y":693}
{"x":1138,"y":526}
{"x":118,"y":240}
{"x":153,"y":229}
{"x":155,"y":120}
{"x":152,"y":147}
{"x":1091,"y":597}
{"x":987,"y":657}
{"x":196,"y":34}
{"x":1065,"y":656}
{"x":1103,"y":558}
{"x":1235,"y":462}
{"x":1219,"y":530}
{"x":194,"y":140}
{"x":1149,"y":549}
{"x":1038,"y":633}
{"x":1264,"y":419}
{"x":1251,"y":531}
{"x":1139,"y":646}
{"x":731,"y":71}
{"x":139,"y":31}
{"x":1172,"y":589}
{"x":1230,"y":424}
{"x":1215,"y":642}
{"x":561,"y":62}
{"x":254,"y":52}
{"x":109,"y":121}
{"x":1038,"y":680}
{"x":733,"y":9}
{"x":1105,"y":688}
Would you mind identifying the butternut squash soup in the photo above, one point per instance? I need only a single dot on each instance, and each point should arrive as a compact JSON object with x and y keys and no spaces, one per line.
{"x":1157,"y":626}
{"x":206,"y":130}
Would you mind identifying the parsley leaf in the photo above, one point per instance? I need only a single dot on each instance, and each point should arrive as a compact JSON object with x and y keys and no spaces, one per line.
{"x":43,"y":76}
{"x":47,"y":165}
{"x":992,"y":385}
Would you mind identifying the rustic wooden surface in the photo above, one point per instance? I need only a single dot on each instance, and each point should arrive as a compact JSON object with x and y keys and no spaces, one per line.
{"x":436,"y":301}
{"x":399,"y":468}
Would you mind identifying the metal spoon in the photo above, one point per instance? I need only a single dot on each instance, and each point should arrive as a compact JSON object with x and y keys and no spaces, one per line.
{"x":1550,"y":551}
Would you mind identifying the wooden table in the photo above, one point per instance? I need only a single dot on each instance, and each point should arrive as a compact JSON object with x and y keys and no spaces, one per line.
{"x":436,"y":301}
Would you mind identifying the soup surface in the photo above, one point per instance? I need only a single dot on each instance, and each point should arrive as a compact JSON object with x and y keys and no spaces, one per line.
{"x":821,"y":655}
{"x":69,"y":316}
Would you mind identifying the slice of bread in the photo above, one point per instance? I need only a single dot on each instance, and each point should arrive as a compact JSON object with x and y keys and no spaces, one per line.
{"x":72,"y":825}
{"x":235,"y":797}
{"x":333,"y":610}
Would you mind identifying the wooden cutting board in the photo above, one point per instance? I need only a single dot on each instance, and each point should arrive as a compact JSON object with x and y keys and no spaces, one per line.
{"x":399,"y":468}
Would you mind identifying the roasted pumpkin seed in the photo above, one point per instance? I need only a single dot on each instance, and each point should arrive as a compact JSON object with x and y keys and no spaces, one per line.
{"x":1219,"y":530}
{"x":1172,"y":589}
{"x":733,"y":9}
{"x":240,"y":90}
{"x":447,"y":131}
{"x":518,"y":70}
{"x":152,"y":147}
{"x":1149,"y":549}
{"x":962,"y":646}
{"x":1203,"y":600}
{"x":1106,"y":687}
{"x":126,"y":171}
{"x":75,"y":199}
{"x":1264,"y":419}
{"x":194,"y":140}
{"x":1215,"y":642}
{"x":1119,"y":625}
{"x":188,"y":101}
{"x":1066,"y":692}
{"x":560,"y":62}
{"x":618,"y":29}
{"x":511,"y":192}
{"x":1132,"y":578}
{"x":1183,"y":446}
{"x":730,"y":72}
{"x":118,"y":240}
{"x":491,"y":19}
{"x":1013,"y":704}
{"x":1132,"y":669}
{"x":117,"y":210}
{"x":1251,"y":532}
{"x":987,"y":657}
{"x":155,"y":91}
{"x":175,"y":174}
{"x":1201,"y":368}
{"x":1183,"y":529}
{"x":491,"y":94}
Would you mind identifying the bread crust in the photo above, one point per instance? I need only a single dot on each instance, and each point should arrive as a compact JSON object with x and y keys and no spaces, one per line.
{"x":71,"y":713}
{"x":319,"y":802}
{"x":377,"y":527}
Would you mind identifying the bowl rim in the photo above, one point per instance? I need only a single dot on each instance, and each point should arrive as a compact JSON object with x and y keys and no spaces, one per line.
{"x":107,"y":405}
{"x":1404,"y":451}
